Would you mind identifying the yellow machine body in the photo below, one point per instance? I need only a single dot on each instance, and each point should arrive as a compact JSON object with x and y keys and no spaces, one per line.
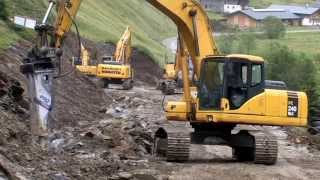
{"x":114,"y":71}
{"x":85,"y":68}
{"x":268,"y":107}
{"x":170,"y":72}
{"x":118,"y":69}
{"x":88,"y":70}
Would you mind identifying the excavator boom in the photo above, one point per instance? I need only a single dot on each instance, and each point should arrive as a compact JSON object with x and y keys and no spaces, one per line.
{"x":124,"y":50}
{"x":67,"y":11}
{"x":192,"y":23}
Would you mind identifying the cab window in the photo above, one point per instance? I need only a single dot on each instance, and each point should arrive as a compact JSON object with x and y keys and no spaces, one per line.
{"x":256,"y":74}
{"x":244,"y":69}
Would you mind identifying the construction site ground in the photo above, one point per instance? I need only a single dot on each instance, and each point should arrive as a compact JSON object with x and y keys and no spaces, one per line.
{"x":107,"y":133}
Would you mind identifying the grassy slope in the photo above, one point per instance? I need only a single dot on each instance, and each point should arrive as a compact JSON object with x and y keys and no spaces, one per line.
{"x":104,"y":21}
{"x":10,"y":34}
{"x":266,"y":3}
{"x":6,"y":38}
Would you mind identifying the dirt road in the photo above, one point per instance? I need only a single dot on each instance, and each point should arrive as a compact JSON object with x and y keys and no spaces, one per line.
{"x":214,"y":162}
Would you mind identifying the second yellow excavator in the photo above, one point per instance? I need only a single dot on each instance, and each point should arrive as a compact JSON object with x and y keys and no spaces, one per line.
{"x":171,"y":80}
{"x":83,"y":63}
{"x":114,"y":69}
{"x":117,"y":69}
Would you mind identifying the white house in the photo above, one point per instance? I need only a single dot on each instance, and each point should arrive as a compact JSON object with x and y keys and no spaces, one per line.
{"x":310,"y":16}
{"x":231,"y":8}
{"x":224,"y":6}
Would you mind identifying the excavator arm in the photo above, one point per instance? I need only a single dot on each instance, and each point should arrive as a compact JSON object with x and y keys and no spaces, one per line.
{"x":67,"y":11}
{"x":43,"y":61}
{"x":195,"y":32}
{"x":193,"y":25}
{"x":124,"y":50}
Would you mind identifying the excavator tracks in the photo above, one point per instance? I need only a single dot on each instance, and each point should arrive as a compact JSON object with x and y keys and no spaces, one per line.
{"x":266,"y":149}
{"x":167,"y":87}
{"x":263,"y":150}
{"x":178,"y":147}
{"x":173,"y":145}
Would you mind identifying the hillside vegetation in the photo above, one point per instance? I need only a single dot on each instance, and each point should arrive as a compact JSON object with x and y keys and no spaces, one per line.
{"x":266,"y":3}
{"x":103,"y":21}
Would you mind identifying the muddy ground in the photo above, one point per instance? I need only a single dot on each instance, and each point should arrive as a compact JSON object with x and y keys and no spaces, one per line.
{"x":107,"y":134}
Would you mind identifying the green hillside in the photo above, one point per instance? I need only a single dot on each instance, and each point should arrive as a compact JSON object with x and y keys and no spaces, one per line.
{"x":106,"y":21}
{"x":266,"y":3}
{"x":103,"y":21}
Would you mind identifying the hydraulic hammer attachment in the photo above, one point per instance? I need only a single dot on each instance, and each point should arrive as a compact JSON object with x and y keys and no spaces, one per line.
{"x":40,"y":69}
{"x":40,"y":72}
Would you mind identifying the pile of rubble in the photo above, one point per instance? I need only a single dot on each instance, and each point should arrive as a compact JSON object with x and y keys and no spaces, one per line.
{"x":96,"y":134}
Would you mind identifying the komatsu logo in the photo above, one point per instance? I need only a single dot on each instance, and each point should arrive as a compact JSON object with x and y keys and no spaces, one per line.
{"x":111,"y":70}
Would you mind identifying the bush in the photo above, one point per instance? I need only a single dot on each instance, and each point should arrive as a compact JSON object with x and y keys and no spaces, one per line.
{"x":247,"y":43}
{"x":273,"y":28}
{"x":298,"y":71}
{"x":3,"y":11}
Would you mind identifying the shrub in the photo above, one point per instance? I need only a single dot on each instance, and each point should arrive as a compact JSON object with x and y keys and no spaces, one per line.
{"x":273,"y":28}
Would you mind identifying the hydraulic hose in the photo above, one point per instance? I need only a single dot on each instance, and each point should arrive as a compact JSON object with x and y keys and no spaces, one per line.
{"x":79,"y":45}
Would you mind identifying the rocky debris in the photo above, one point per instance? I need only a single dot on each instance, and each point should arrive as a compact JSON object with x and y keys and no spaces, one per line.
{"x":11,"y":170}
{"x":95,"y":134}
{"x":12,"y":95}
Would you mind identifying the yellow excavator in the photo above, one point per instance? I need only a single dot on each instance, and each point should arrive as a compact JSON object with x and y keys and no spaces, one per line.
{"x":117,"y":69}
{"x":171,"y":80}
{"x":114,"y":69}
{"x":231,"y":91}
{"x":43,"y":63}
{"x":83,"y":63}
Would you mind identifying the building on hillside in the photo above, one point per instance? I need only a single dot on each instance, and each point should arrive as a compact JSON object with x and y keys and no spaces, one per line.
{"x":253,"y":18}
{"x":310,"y":16}
{"x":224,"y":6}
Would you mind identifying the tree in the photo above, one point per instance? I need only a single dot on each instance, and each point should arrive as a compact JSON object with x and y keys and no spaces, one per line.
{"x":3,"y":10}
{"x":298,"y":71}
{"x":273,"y":28}
{"x":247,"y":42}
{"x":226,"y":44}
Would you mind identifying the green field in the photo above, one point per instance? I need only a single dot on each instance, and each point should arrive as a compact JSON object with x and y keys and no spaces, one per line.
{"x":307,"y":43}
{"x":266,"y":3}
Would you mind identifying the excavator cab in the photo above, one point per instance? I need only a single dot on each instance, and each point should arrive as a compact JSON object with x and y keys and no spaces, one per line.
{"x":226,"y":83}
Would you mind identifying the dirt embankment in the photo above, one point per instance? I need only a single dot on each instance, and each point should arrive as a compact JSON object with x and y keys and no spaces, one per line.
{"x":80,"y":147}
